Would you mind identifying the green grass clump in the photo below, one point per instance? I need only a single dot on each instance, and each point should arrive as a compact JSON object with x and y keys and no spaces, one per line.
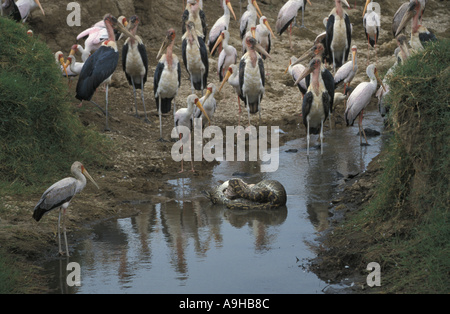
{"x":40,"y":137}
{"x":407,"y":221}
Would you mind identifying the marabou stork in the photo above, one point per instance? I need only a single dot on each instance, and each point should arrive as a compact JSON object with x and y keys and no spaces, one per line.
{"x":196,"y":15}
{"x":59,"y":196}
{"x":195,"y":58}
{"x":360,"y":98}
{"x":371,"y":24}
{"x":316,"y":102}
{"x":227,"y":56}
{"x":99,"y":67}
{"x":252,"y":77}
{"x":96,"y":35}
{"x":347,"y":72}
{"x":287,"y":15}
{"x":339,"y":35}
{"x":420,"y":35}
{"x":167,"y":78}
{"x":21,"y":9}
{"x":250,"y":33}
{"x":317,"y":51}
{"x":408,"y":10}
{"x":296,"y":70}
{"x":249,"y":18}
{"x":209,"y":104}
{"x":183,"y":117}
{"x":135,"y":63}
{"x":220,"y":25}
{"x":232,"y":76}
{"x":263,"y":34}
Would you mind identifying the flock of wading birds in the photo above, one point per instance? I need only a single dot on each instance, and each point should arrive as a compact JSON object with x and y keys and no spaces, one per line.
{"x":316,"y":83}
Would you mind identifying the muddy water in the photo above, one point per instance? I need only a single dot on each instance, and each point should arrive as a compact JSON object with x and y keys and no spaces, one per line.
{"x":189,"y":246}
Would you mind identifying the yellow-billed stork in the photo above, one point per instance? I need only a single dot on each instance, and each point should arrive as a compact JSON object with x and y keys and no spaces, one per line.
{"x":287,"y":15}
{"x":227,"y":56}
{"x":21,"y":9}
{"x":372,"y":27}
{"x":249,"y":18}
{"x":232,"y":76}
{"x":264,"y":34}
{"x":360,"y":98}
{"x":209,"y":104}
{"x":184,"y":117}
{"x":220,"y":25}
{"x":59,"y":196}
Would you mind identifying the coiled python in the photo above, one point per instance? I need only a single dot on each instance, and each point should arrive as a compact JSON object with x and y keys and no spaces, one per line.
{"x":236,"y":194}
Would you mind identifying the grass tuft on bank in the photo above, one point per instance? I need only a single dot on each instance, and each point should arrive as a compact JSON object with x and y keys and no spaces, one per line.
{"x":40,"y":136}
{"x":405,"y":226}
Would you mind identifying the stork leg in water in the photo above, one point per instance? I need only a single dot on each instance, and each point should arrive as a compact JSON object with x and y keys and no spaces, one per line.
{"x":64,"y":230}
{"x":360,"y":126}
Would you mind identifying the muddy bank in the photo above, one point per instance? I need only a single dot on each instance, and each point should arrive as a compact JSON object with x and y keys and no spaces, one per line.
{"x":138,"y":165}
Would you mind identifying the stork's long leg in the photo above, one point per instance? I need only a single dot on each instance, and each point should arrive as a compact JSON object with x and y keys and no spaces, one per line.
{"x":259,"y":109}
{"x":101,"y":109}
{"x":134,"y":93}
{"x":65,"y":234}
{"x":307,"y":137}
{"x":364,"y":133}
{"x":182,"y":157}
{"x":321,"y":137}
{"x":143,"y":100}
{"x":248,"y":109}
{"x":107,"y":126}
{"x":192,"y":159}
{"x":290,"y":34}
{"x":160,"y":123}
{"x":59,"y":232}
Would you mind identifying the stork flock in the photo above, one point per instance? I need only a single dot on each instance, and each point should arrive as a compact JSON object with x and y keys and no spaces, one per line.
{"x":327,"y":66}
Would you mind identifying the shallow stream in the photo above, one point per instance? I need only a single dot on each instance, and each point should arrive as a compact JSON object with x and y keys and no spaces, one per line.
{"x":188,"y":245}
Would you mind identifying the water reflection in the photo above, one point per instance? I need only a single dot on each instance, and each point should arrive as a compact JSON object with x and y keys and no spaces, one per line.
{"x":186,"y":245}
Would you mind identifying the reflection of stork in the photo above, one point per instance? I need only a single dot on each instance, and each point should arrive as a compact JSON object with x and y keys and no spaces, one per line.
{"x":135,"y":63}
{"x":371,"y":24}
{"x":167,"y":78}
{"x":195,"y":58}
{"x":339,"y":35}
{"x":59,"y":196}
{"x":252,"y":77}
{"x":360,"y":98}
{"x":99,"y":67}
{"x":287,"y":15}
